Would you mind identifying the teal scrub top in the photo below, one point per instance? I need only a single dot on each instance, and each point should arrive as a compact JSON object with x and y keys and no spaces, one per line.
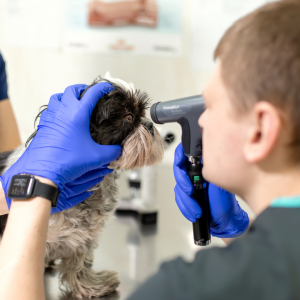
{"x":287,"y":201}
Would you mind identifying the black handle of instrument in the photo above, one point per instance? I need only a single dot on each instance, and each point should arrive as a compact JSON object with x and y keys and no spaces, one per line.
{"x":201,"y":227}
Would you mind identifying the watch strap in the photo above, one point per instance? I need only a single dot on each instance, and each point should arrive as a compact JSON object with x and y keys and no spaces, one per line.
{"x":46,"y":191}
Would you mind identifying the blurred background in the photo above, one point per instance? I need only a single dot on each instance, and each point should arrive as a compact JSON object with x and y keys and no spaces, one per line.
{"x":164,"y":47}
{"x":49,"y":45}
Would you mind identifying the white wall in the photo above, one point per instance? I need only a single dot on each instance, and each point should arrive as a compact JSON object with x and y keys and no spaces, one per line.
{"x":35,"y":74}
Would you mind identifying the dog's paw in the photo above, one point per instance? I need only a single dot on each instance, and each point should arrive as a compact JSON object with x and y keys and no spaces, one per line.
{"x":95,"y":284}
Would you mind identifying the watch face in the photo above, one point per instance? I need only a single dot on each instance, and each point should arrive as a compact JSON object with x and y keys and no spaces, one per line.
{"x":21,"y":186}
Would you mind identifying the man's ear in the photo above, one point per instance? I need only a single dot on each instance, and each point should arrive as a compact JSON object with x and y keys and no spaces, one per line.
{"x":263,"y":133}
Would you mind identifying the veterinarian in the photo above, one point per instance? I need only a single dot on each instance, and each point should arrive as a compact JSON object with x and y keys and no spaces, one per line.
{"x":64,"y":157}
{"x":251,"y":140}
{"x":9,"y":134}
{"x":251,"y":148}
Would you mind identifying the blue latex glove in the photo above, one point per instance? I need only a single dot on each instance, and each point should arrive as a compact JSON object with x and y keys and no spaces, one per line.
{"x":63,"y":149}
{"x":72,"y":193}
{"x":227,"y":218}
{"x":77,"y":191}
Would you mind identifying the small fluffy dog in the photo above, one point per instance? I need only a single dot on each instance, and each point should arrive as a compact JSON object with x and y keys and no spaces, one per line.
{"x":118,"y":119}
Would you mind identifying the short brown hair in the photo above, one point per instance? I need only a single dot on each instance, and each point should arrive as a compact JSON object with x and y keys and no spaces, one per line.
{"x":260,"y":60}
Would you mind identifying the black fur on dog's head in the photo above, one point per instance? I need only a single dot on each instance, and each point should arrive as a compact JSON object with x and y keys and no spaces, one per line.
{"x":119,"y":113}
{"x":119,"y":119}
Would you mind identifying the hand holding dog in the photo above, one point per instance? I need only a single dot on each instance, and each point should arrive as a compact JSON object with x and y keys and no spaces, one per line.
{"x":228,"y":219}
{"x":63,"y":150}
{"x":76,"y":191}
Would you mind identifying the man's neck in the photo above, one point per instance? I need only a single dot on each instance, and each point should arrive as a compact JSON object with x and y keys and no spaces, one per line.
{"x":271,"y":186}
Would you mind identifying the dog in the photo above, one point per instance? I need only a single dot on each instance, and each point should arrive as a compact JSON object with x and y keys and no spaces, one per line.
{"x":118,"y":119}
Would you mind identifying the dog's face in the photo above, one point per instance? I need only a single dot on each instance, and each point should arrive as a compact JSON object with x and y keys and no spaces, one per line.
{"x":119,"y":119}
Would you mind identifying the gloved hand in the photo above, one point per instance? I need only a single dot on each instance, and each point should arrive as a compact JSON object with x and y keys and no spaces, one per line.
{"x":227,"y":218}
{"x":72,"y":193}
{"x":77,"y":191}
{"x":63,"y":149}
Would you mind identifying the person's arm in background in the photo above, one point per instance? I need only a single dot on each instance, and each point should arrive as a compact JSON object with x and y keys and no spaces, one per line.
{"x":9,"y":134}
{"x":3,"y":206}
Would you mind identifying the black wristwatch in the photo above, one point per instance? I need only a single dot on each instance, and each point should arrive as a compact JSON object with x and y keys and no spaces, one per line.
{"x":26,"y":186}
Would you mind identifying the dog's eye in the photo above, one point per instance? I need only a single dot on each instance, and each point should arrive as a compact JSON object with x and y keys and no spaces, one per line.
{"x":129,"y":118}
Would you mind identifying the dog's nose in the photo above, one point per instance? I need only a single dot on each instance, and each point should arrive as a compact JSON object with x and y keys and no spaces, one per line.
{"x":149,"y":126}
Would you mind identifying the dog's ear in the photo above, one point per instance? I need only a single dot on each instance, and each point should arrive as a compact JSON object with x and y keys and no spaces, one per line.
{"x":42,"y":108}
{"x":82,"y":94}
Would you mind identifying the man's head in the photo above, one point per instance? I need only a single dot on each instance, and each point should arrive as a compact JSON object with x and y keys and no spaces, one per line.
{"x":252,"y":122}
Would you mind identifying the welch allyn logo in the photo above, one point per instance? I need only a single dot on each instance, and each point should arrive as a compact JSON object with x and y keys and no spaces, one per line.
{"x":172,"y":107}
